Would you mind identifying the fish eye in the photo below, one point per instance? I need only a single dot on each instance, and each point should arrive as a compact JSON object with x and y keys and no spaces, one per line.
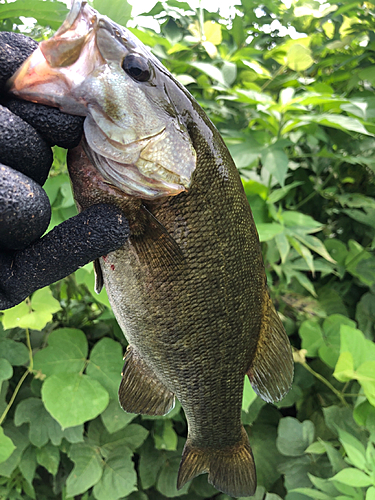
{"x":136,"y":67}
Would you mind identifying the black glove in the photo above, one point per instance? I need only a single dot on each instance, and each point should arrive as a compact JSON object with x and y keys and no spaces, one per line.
{"x":27,"y":132}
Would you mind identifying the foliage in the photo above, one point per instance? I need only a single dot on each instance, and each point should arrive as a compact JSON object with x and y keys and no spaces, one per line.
{"x":291,"y":90}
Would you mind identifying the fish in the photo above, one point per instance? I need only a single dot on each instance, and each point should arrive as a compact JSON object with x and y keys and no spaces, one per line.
{"x":188,"y":288}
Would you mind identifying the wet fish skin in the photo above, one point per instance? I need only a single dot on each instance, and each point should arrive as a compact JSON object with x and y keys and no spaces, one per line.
{"x":189,"y":289}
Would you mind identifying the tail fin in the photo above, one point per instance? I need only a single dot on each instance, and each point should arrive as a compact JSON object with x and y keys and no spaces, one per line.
{"x":230,"y":470}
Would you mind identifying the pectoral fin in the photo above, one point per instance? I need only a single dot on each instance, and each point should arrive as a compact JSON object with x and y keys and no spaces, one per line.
{"x":271,"y":372}
{"x":140,"y":390}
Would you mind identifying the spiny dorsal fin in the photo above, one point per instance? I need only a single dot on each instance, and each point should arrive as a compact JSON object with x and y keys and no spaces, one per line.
{"x":271,"y":372}
{"x":140,"y":390}
{"x":230,"y":470}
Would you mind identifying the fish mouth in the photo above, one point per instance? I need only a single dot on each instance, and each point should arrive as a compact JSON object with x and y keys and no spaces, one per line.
{"x":137,"y":145}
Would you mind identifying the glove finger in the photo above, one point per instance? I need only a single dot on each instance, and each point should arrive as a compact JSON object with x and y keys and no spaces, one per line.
{"x":22,"y":148}
{"x":25,"y":210}
{"x":15,"y":48}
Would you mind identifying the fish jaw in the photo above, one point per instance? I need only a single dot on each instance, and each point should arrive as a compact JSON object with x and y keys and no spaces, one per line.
{"x":137,"y":140}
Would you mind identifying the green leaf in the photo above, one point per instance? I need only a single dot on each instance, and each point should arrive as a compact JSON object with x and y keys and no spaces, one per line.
{"x":42,"y":426}
{"x":132,"y":436}
{"x":318,"y":448}
{"x":66,"y":353}
{"x":49,"y":458}
{"x":283,"y":246}
{"x":299,"y":57}
{"x":16,"y":353}
{"x":312,"y":337}
{"x":266,"y":455}
{"x":28,"y":464}
{"x":366,"y":377}
{"x":150,"y":463}
{"x":249,"y":395}
{"x":352,"y":477}
{"x":46,"y":13}
{"x":315,"y":494}
{"x":165,"y":437}
{"x":106,"y":362}
{"x":344,"y":369}
{"x":275,"y":161}
{"x":119,"y":10}
{"x":119,"y":478}
{"x":11,"y":317}
{"x":80,"y":398}
{"x":292,"y":219}
{"x":211,"y":71}
{"x":20,"y":440}
{"x":115,"y":418}
{"x":354,"y":449}
{"x":279,"y":194}
{"x":6,"y":446}
{"x":370,"y":493}
{"x":269,"y":230}
{"x":6,"y":370}
{"x":87,"y":471}
{"x":167,"y":481}
{"x":293,"y":436}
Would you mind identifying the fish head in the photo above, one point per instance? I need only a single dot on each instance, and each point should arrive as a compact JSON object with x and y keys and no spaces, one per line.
{"x":134,"y":132}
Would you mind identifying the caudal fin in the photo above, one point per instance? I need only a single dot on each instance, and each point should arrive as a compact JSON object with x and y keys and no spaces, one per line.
{"x":230,"y":470}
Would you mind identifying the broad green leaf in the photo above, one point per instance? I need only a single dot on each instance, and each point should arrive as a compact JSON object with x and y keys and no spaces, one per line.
{"x":49,"y":457}
{"x":16,"y":353}
{"x":132,"y":436}
{"x":318,"y":448}
{"x":315,"y":494}
{"x":43,"y":300}
{"x":354,"y":449}
{"x":275,"y":161}
{"x":370,"y":493}
{"x":248,"y":396}
{"x":46,"y":13}
{"x":344,"y":369}
{"x":299,"y":57}
{"x":115,"y":418}
{"x":366,"y":377}
{"x":211,"y":71}
{"x":167,"y":480}
{"x":20,"y":440}
{"x":312,"y":337}
{"x":106,"y":362}
{"x":119,"y":478}
{"x":269,"y":230}
{"x":150,"y":463}
{"x":28,"y":464}
{"x":87,"y":471}
{"x":165,"y":437}
{"x":267,"y":456}
{"x":341,"y":122}
{"x":292,"y":219}
{"x":6,"y":370}
{"x":212,"y":32}
{"x":6,"y":446}
{"x":352,"y":477}
{"x":12,"y":317}
{"x":283,"y":246}
{"x":353,"y":340}
{"x":294,"y":437}
{"x":80,"y":398}
{"x":279,"y":194}
{"x":66,"y":352}
{"x":42,"y":426}
{"x":118,"y":10}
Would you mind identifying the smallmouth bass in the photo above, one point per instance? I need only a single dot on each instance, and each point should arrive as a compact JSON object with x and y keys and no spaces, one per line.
{"x":189,"y":288}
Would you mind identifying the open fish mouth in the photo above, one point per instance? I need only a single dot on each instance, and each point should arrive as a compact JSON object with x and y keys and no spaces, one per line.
{"x":133,"y":135}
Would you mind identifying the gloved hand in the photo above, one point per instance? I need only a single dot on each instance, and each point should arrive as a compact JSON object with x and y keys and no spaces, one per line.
{"x":27,"y":132}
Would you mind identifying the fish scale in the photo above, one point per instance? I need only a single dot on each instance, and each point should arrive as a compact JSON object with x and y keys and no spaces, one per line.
{"x":188,"y":288}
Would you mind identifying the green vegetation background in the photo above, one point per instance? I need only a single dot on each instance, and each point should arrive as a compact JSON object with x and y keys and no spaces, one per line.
{"x":298,"y":115}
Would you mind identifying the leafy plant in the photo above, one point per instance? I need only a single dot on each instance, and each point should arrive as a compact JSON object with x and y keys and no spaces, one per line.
{"x":291,"y":89}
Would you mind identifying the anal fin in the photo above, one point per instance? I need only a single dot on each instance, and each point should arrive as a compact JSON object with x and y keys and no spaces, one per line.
{"x":271,"y":372}
{"x":230,"y":470}
{"x":140,"y":390}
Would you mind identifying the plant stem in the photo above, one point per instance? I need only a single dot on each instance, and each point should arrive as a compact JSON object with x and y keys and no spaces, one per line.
{"x":325,"y":381}
{"x":22,"y":379}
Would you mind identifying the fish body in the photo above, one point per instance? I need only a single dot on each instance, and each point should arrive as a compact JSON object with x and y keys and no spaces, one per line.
{"x":188,"y":288}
